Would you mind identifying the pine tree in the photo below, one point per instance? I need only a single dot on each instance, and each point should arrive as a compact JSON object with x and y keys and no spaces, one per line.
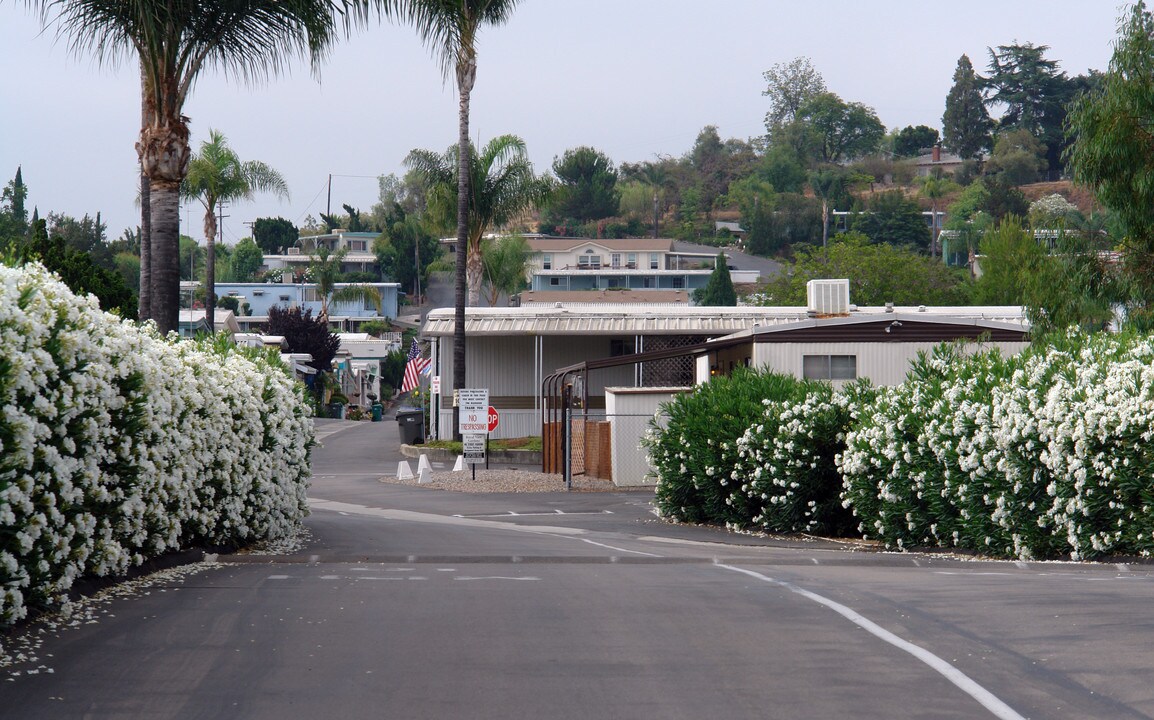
{"x":719,"y":291}
{"x":966,"y":124}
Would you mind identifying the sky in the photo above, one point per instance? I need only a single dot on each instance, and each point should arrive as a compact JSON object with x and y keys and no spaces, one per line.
{"x":635,"y":79}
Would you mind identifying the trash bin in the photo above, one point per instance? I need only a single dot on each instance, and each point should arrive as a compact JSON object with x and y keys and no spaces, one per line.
{"x":411,"y":425}
{"x":337,"y":411}
{"x":378,"y":411}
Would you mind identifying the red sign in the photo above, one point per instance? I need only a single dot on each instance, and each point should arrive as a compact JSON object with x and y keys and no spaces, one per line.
{"x":494,"y":418}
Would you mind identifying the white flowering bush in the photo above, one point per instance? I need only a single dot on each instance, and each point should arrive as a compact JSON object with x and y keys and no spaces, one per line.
{"x":754,"y":449}
{"x":1042,"y":455}
{"x":785,"y":469}
{"x":117,"y":445}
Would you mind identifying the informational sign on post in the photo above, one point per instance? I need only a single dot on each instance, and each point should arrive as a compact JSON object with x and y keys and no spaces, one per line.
{"x":473,"y":448}
{"x":474,"y":411}
{"x":435,"y":385}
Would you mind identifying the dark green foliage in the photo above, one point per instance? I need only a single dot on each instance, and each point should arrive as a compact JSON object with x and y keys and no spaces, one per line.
{"x":588,"y":186}
{"x":304,"y":334}
{"x":835,"y":130}
{"x":13,"y":214}
{"x":966,"y":125}
{"x":912,"y":141}
{"x":895,"y":219}
{"x":878,"y":273}
{"x":274,"y":235}
{"x":245,"y":260}
{"x":77,"y":270}
{"x":719,"y":290}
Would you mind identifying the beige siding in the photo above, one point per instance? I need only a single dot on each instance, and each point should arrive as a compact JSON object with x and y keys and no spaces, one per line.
{"x":882,"y":363}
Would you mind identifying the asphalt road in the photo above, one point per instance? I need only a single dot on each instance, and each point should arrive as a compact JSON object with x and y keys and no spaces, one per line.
{"x":411,"y":603}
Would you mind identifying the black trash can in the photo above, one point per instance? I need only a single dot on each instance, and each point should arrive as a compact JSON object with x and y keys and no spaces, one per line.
{"x":411,"y":425}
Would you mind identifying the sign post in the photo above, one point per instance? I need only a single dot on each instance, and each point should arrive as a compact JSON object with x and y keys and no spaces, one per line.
{"x":473,"y":424}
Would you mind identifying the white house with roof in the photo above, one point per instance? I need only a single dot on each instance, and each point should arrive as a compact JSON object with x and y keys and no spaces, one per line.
{"x":511,"y":351}
{"x":567,"y":264}
{"x":257,"y":298}
{"x":359,"y":245}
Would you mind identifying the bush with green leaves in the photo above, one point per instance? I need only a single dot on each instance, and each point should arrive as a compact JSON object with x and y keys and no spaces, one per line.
{"x":117,"y":445}
{"x":752,"y":449}
{"x":785,"y":467}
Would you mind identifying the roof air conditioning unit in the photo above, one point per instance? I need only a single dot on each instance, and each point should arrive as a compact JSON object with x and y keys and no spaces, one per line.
{"x":828,"y":297}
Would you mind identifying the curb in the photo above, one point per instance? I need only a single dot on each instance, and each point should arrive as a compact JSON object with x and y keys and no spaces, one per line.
{"x":505,"y":457}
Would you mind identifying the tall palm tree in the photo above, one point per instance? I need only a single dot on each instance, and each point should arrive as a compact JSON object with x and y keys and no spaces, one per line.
{"x":449,"y":28}
{"x":934,"y":189}
{"x":216,"y":174}
{"x":174,"y":40}
{"x":503,"y":185}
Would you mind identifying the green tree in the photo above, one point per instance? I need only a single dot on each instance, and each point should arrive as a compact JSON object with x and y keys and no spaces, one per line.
{"x":827,"y":184}
{"x":173,"y":42}
{"x":85,"y":235}
{"x":1010,"y":256}
{"x":1018,"y":158}
{"x":878,"y":273}
{"x":13,"y":215}
{"x":966,"y":125}
{"x":1111,"y":137}
{"x":895,"y":219}
{"x":756,"y":200}
{"x":934,"y":189}
{"x":1034,"y":94}
{"x":719,"y":291}
{"x":587,"y":186}
{"x":789,"y":86}
{"x":245,"y":260}
{"x":191,"y":258}
{"x":273,"y":235}
{"x":450,"y":27}
{"x":503,"y":185}
{"x":912,"y":141}
{"x":406,"y":249}
{"x":837,"y":130}
{"x":217,"y":175}
{"x":325,"y":270}
{"x":76,"y":268}
{"x":505,"y":262}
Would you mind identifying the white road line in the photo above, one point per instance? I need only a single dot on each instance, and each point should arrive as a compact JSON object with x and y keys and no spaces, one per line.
{"x":411,"y":516}
{"x":611,"y":547}
{"x":494,"y":577}
{"x":987,"y":699}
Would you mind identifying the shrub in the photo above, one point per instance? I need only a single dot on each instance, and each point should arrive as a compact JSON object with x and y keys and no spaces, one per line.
{"x":119,"y":445}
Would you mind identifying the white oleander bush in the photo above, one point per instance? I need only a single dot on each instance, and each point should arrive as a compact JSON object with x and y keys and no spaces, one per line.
{"x":1043,"y":455}
{"x":117,"y":445}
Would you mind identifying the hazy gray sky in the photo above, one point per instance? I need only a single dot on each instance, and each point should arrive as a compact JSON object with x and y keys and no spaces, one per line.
{"x":635,"y":79}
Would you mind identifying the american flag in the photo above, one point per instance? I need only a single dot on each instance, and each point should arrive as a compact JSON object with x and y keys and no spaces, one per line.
{"x":414,"y":367}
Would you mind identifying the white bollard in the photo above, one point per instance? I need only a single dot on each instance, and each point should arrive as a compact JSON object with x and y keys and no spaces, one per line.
{"x":423,"y":463}
{"x":460,"y":465}
{"x":404,"y":472}
{"x":424,"y":475}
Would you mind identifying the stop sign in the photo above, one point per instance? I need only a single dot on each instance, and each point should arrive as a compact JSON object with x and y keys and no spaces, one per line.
{"x":494,"y":418}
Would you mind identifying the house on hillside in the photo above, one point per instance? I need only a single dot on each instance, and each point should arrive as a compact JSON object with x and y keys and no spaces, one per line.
{"x":295,"y":260}
{"x":937,"y":162}
{"x":256,"y":299}
{"x":557,"y":263}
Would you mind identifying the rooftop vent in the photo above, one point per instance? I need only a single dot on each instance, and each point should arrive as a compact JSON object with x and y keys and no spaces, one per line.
{"x":827,"y":297}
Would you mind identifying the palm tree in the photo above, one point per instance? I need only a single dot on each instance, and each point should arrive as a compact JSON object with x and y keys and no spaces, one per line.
{"x":450,"y":27}
{"x":934,"y":189}
{"x":174,"y":40}
{"x":325,"y":271}
{"x":506,"y":262}
{"x":503,"y":185}
{"x":217,"y":175}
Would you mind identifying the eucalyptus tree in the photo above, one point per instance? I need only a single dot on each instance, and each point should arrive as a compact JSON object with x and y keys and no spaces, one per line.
{"x":450,"y":28}
{"x":173,"y":41}
{"x":216,"y":174}
{"x":503,"y":185}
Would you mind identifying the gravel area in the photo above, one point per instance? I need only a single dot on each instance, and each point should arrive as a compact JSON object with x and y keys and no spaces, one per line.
{"x":510,"y":480}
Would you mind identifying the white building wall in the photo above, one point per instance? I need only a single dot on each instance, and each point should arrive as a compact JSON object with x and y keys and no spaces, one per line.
{"x":629,"y":411}
{"x":882,"y":363}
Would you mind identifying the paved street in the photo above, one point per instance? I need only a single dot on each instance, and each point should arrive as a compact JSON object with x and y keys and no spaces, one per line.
{"x":406,"y":602}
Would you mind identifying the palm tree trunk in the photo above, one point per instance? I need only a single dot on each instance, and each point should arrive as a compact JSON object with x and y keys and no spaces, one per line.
{"x":144,"y":306}
{"x":474,"y":273}
{"x":466,"y":76}
{"x":210,"y":268}
{"x":165,"y":204}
